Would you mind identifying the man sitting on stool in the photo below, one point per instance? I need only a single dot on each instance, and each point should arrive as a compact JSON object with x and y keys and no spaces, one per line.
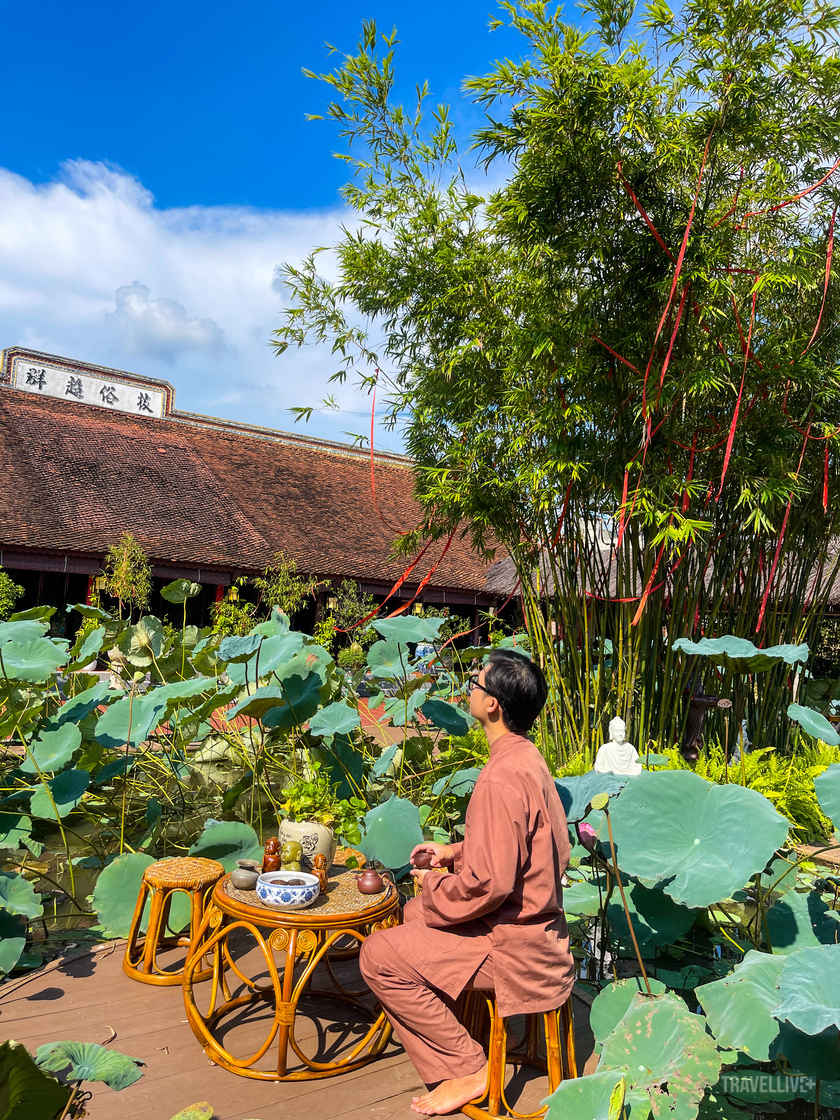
{"x":497,"y":921}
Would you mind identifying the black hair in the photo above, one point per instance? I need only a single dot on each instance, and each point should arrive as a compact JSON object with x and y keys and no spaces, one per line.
{"x":519,"y":685}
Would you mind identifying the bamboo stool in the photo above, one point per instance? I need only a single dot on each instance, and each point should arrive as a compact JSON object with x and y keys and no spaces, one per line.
{"x":193,"y":876}
{"x":481,"y":1017}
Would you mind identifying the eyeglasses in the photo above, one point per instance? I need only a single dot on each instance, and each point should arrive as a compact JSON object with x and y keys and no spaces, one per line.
{"x":473,"y":683}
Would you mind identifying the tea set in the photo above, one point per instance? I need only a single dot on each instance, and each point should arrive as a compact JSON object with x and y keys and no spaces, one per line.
{"x":281,"y":884}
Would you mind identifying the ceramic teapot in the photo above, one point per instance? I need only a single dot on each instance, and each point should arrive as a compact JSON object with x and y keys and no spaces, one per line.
{"x":371,"y":882}
{"x":422,"y":860}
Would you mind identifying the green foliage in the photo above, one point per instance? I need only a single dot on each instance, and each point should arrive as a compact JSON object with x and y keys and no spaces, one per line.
{"x":612,"y":1003}
{"x":281,"y":586}
{"x":787,"y":781}
{"x":391,"y":831}
{"x":227,"y":842}
{"x":116,"y":892}
{"x":87,"y":1061}
{"x":597,"y":1097}
{"x":667,"y":827}
{"x":10,"y":592}
{"x":316,"y":799}
{"x":620,"y":366}
{"x":26,"y":1092}
{"x":739,"y":1007}
{"x":351,"y":657}
{"x":665,"y":1052}
{"x":128,"y":575}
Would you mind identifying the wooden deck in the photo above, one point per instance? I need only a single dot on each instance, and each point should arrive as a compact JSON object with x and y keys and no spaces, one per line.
{"x":88,"y":998}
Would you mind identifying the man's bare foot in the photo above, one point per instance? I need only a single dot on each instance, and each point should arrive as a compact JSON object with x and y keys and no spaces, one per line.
{"x":449,"y":1096}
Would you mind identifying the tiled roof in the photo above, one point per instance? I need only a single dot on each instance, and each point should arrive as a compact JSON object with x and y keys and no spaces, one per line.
{"x":200,"y":493}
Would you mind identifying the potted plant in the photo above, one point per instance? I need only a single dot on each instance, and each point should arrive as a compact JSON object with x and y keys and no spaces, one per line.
{"x":314,"y":816}
{"x":353,"y":657}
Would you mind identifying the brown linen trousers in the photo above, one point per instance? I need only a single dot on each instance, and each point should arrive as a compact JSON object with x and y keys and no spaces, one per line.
{"x":496,"y":922}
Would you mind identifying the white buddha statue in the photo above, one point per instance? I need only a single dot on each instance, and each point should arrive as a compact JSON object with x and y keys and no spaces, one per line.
{"x":618,"y":756}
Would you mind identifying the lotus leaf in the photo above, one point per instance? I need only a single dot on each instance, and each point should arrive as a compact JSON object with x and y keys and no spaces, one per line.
{"x":87,"y":1061}
{"x":18,"y":896}
{"x":402,"y":711}
{"x":335,"y":719}
{"x":116,"y":892}
{"x":53,"y":748}
{"x":274,"y":651}
{"x":256,"y":704}
{"x":801,"y":919}
{"x":611,"y":1004}
{"x":814,"y":724}
{"x":67,"y":790}
{"x":11,"y":949}
{"x":227,"y":841}
{"x":576,"y":793}
{"x":600,"y":1096}
{"x":34,"y":662}
{"x":408,"y":628}
{"x":815,"y":1055}
{"x":26,"y":1092}
{"x":654,"y":760}
{"x":22,"y":631}
{"x":180,"y":590}
{"x":75,"y":709}
{"x":88,"y":646}
{"x":143,"y":642}
{"x":459,"y":784}
{"x":388,"y":659}
{"x":301,"y":694}
{"x":276,"y":623}
{"x":386,"y":760}
{"x":391,"y":831}
{"x":656,"y":918}
{"x":86,"y":610}
{"x":200,"y":1111}
{"x":809,"y":989}
{"x":657,"y":1042}
{"x":668,"y":827}
{"x":582,"y":898}
{"x":182,"y":690}
{"x":346,"y":766}
{"x":451,"y":718}
{"x":827,"y":787}
{"x":116,"y":769}
{"x":740,"y":655}
{"x":131,"y":720}
{"x":15,"y":828}
{"x":239,"y":649}
{"x":739,"y":1007}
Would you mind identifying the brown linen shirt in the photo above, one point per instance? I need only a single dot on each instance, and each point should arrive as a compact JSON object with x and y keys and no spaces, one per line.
{"x":504,"y":899}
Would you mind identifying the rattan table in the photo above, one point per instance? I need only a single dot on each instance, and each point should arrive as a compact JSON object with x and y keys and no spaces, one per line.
{"x":285,"y":939}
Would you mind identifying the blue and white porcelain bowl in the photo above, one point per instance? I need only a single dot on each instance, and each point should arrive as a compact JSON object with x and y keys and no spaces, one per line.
{"x":273,"y":890}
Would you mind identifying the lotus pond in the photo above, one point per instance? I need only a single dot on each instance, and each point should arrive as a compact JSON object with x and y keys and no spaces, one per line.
{"x":707,"y":945}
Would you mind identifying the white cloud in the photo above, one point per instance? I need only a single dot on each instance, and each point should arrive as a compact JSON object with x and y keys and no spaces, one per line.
{"x":91,"y":269}
{"x":161,"y":328}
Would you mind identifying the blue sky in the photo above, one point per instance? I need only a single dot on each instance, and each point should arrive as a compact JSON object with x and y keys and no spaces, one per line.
{"x":156,"y":168}
{"x":205,"y":102}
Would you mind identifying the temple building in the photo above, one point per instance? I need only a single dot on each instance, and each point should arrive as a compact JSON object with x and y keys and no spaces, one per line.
{"x":90,"y":453}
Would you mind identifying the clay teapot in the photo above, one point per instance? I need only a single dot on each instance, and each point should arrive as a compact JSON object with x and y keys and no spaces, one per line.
{"x":422,"y":860}
{"x":371,"y":882}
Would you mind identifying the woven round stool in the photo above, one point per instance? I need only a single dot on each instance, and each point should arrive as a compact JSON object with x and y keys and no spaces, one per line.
{"x":192,"y":876}
{"x":552,"y":1050}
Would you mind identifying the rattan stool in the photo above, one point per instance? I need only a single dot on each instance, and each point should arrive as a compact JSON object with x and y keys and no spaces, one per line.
{"x":192,"y":876}
{"x":481,"y":1017}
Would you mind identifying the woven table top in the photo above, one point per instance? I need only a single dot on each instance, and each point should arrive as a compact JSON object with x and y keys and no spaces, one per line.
{"x":342,"y":897}
{"x":186,"y":871}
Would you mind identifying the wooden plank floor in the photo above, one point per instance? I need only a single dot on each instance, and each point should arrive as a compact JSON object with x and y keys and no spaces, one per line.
{"x":89,"y":997}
